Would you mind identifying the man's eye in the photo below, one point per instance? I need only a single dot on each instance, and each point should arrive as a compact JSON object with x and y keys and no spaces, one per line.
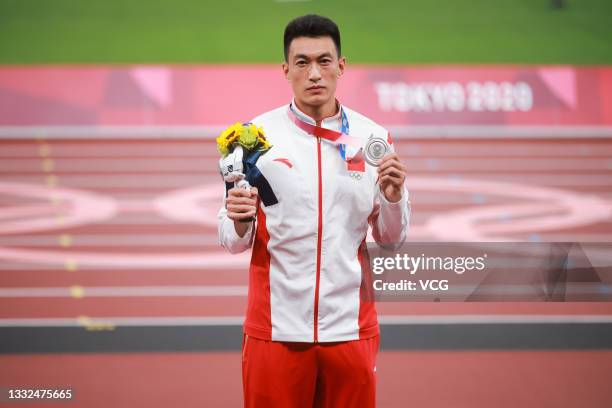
{"x":325,"y":61}
{"x":301,"y":63}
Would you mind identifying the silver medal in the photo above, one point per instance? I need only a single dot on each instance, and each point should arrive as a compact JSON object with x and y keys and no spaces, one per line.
{"x":375,"y":149}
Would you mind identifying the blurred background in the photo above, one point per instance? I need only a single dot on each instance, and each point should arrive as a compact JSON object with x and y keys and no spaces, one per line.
{"x":112,"y":281}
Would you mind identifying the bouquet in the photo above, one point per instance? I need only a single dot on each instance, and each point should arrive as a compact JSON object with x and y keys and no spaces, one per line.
{"x":240,"y":146}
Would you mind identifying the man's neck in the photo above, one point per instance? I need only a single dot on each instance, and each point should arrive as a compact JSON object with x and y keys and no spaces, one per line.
{"x":318,"y":113}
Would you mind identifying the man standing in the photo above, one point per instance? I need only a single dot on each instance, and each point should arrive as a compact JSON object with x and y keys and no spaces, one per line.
{"x":310,"y":335}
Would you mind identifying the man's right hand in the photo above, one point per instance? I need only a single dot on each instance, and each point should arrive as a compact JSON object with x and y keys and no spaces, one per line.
{"x":241,"y":205}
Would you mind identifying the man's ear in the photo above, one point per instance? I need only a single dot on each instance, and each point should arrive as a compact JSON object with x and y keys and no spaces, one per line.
{"x":341,"y":66}
{"x":286,"y":70}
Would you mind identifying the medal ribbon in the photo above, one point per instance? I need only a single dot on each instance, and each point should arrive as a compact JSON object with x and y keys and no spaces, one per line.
{"x":341,"y":139}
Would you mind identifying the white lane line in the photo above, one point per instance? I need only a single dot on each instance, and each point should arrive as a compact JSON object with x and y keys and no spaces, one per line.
{"x":127,"y":291}
{"x":557,"y":179}
{"x":197,"y":166}
{"x":217,"y":259}
{"x":493,"y":319}
{"x":138,"y":219}
{"x":78,"y":291}
{"x":576,"y":237}
{"x":212,"y":131}
{"x":239,"y":264}
{"x":95,"y":148}
{"x":115,"y":165}
{"x":89,"y":132}
{"x":238,"y":320}
{"x":125,"y":321}
{"x":44,"y":268}
{"x":182,"y":240}
{"x":115,"y":240}
{"x":151,"y":181}
{"x":484,"y":149}
{"x":206,"y":150}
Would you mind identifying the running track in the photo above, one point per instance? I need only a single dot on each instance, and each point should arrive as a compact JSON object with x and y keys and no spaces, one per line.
{"x":109,"y":261}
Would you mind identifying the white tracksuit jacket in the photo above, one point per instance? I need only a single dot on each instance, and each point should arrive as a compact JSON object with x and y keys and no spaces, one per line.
{"x":305,"y":278}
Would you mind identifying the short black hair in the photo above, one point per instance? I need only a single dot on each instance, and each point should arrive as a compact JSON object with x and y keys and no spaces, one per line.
{"x":311,"y":25}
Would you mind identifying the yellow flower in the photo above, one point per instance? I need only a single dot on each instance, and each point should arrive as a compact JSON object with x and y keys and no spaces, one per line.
{"x":222,"y":145}
{"x":249,"y":135}
{"x":227,"y":138}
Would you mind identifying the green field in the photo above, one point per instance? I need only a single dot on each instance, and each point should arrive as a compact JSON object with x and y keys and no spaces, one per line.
{"x":243,"y":31}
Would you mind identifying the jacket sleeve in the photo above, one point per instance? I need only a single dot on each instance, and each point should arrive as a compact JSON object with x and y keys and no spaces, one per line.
{"x":228,"y":237}
{"x":389,"y":220}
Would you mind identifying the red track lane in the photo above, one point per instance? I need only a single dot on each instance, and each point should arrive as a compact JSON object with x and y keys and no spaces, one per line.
{"x":425,"y":379}
{"x":153,"y":277}
{"x":168,"y":306}
{"x":122,"y":307}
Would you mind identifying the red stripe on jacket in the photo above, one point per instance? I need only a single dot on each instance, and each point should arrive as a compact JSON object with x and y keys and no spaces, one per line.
{"x":258,"y":321}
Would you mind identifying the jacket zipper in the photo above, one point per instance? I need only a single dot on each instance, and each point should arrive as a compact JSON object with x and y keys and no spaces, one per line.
{"x":319,"y":238}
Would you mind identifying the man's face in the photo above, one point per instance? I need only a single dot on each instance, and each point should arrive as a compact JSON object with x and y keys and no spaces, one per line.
{"x":313,"y":68}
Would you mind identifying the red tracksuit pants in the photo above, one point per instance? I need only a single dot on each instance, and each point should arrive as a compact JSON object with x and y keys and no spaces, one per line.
{"x":321,"y":375}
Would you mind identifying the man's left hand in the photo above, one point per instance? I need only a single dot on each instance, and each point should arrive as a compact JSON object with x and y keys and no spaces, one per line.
{"x":391,"y":177}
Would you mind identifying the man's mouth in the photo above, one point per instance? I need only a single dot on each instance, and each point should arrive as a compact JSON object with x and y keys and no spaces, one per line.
{"x":315,"y":88}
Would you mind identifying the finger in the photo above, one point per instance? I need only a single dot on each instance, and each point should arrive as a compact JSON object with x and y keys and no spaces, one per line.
{"x":396,"y":169}
{"x":390,"y":156}
{"x":240,"y":216}
{"x":239,"y":192}
{"x":240,"y":208}
{"x":246,"y":196}
{"x":392,"y":170}
{"x":241,"y":200}
{"x":249,"y":203}
{"x":387,"y":179}
{"x":391,"y":180}
{"x":391,"y":163}
{"x":254,"y":192}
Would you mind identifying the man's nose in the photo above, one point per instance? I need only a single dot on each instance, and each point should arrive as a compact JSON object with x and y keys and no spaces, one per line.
{"x":314,"y":74}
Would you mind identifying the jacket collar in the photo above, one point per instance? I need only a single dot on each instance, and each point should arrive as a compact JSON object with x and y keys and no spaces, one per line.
{"x":328,"y":122}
